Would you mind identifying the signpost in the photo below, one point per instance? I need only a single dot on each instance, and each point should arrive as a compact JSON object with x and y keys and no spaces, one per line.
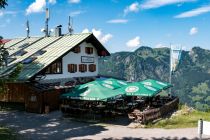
{"x":203,"y":128}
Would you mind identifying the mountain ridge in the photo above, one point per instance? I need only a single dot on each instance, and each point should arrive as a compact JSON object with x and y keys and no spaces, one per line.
{"x":191,"y":80}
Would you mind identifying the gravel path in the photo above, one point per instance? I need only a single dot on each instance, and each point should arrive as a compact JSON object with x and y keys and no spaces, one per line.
{"x":54,"y":127}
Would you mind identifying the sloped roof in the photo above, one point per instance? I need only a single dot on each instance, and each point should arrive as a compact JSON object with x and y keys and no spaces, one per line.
{"x":54,"y":47}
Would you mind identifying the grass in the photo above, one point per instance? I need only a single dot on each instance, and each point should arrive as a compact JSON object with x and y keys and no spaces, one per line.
{"x":181,"y":120}
{"x":7,"y":134}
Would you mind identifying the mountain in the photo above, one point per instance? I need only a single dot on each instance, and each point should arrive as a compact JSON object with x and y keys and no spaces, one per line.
{"x":191,"y":80}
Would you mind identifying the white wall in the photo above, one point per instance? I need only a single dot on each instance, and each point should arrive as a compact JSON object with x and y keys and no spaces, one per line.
{"x":75,"y":58}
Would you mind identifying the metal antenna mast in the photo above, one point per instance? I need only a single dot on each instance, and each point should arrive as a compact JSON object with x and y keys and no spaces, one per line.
{"x":70,"y":26}
{"x":46,"y":22}
{"x":27,"y":28}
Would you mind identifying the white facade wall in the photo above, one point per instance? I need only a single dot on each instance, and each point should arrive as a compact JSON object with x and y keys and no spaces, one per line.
{"x":75,"y":58}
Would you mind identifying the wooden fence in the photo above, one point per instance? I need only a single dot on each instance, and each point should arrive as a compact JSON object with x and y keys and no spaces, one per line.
{"x":153,"y":114}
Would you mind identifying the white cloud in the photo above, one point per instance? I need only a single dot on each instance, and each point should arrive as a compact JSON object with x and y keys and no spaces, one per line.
{"x":134,"y":7}
{"x":74,"y":1}
{"x":36,"y":7}
{"x":104,"y":38}
{"x":52,"y":1}
{"x":193,"y":31}
{"x":117,"y":21}
{"x":1,"y":13}
{"x":194,"y":12}
{"x":149,"y":4}
{"x":76,"y":13}
{"x":85,"y":31}
{"x":160,"y":46}
{"x":135,"y":42}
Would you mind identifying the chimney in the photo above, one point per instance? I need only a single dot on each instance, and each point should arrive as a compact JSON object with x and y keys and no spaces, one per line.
{"x":58,"y":30}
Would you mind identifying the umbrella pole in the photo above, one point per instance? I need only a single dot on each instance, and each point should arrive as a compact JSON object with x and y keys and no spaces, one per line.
{"x":132,"y":100}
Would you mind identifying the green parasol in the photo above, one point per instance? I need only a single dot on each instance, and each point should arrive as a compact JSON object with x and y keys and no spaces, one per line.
{"x":113,"y":83}
{"x":92,"y":91}
{"x":138,"y":89}
{"x":156,"y":84}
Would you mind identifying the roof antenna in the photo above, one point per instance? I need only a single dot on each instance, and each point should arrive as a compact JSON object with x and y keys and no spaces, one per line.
{"x":46,"y":22}
{"x":70,"y":26}
{"x":27,"y":28}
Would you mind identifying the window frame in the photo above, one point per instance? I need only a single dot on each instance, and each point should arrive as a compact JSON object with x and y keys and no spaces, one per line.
{"x":92,"y":67}
{"x":72,"y":68}
{"x":89,"y":50}
{"x":82,"y":68}
{"x":76,"y":49}
{"x":49,"y":69}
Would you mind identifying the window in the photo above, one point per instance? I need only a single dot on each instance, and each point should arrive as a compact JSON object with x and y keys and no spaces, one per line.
{"x":25,"y":45}
{"x":92,"y":67}
{"x":82,"y":68}
{"x":76,"y":49}
{"x":20,"y":53}
{"x":55,"y":68}
{"x":89,"y":50}
{"x":40,"y":52}
{"x":72,"y":68}
{"x":103,"y":53}
{"x":28,"y":60}
{"x":10,"y":60}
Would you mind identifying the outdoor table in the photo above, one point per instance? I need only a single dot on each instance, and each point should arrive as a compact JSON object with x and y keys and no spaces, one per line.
{"x":132,"y":104}
{"x":140,"y":101}
{"x":119,"y":99}
{"x":111,"y":102}
{"x":100,"y":106}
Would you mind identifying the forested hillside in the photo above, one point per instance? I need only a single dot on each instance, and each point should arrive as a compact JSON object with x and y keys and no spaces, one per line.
{"x":191,"y":80}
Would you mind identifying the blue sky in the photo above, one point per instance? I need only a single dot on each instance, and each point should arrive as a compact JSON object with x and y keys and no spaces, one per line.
{"x":121,"y":25}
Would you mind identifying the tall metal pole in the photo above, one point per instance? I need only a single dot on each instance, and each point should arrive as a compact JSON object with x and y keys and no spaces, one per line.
{"x":27,"y":28}
{"x":170,"y":69}
{"x":46,"y":22}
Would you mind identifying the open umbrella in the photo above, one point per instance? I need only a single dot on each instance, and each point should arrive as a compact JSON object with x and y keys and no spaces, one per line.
{"x":92,"y":91}
{"x":113,"y":83}
{"x":156,"y":84}
{"x":138,"y":89}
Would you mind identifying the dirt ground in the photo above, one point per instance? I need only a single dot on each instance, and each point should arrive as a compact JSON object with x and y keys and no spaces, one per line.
{"x":54,"y":126}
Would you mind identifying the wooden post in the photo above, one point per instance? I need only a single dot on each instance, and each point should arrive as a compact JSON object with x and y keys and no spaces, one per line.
{"x":200,"y":128}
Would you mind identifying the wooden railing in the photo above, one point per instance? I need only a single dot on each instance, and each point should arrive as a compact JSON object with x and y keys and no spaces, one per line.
{"x":153,"y":114}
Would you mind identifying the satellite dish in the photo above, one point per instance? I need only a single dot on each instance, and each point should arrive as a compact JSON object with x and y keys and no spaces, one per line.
{"x":42,"y":30}
{"x":51,"y":30}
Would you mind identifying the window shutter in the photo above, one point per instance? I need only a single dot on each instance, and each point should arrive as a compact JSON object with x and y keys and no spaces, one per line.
{"x":86,"y":50}
{"x":91,"y":52}
{"x":69,"y":67}
{"x":76,"y":49}
{"x":94,"y":67}
{"x":80,"y":67}
{"x":75,"y":67}
{"x":85,"y":67}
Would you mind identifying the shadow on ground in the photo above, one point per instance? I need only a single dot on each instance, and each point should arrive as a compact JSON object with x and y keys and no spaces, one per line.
{"x":162,"y":138}
{"x":53,"y":126}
